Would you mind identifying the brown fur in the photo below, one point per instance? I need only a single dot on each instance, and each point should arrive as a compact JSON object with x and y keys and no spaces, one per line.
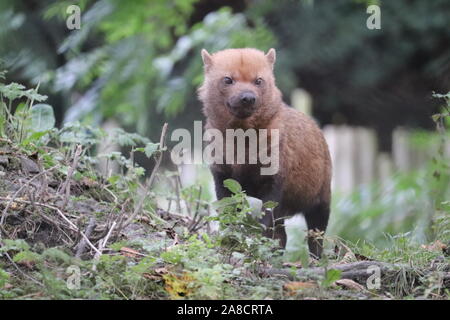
{"x":303,"y":181}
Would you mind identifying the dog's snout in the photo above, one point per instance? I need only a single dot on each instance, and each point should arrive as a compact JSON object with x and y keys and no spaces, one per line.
{"x":248,"y":98}
{"x":242,"y":105}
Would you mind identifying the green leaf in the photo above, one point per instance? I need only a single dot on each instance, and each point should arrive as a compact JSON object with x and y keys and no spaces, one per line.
{"x":125,"y":139}
{"x":27,"y":256}
{"x":150,"y":149}
{"x":16,"y":245}
{"x":56,"y":255}
{"x":34,"y":137}
{"x":33,"y":95}
{"x":114,"y":179}
{"x":224,"y":202}
{"x":139,"y":171}
{"x":12,"y":91}
{"x":304,"y":257}
{"x":331,"y":276}
{"x":270,"y":204}
{"x":4,"y":277}
{"x":42,"y":117}
{"x":232,"y":185}
{"x":21,"y":110}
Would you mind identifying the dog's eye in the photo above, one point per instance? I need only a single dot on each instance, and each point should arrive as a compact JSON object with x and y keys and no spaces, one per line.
{"x":228,"y":80}
{"x":258,"y":81}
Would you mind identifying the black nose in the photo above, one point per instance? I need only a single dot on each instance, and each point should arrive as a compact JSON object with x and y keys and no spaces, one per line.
{"x":248,"y":98}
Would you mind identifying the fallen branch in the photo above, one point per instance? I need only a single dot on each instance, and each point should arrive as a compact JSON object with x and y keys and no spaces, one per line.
{"x":358,"y":271}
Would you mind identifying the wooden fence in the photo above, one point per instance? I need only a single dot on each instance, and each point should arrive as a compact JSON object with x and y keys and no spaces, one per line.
{"x":356,"y":159}
{"x":355,"y":155}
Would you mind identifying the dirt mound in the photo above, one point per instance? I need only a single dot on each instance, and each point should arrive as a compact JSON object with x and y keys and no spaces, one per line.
{"x":53,"y":208}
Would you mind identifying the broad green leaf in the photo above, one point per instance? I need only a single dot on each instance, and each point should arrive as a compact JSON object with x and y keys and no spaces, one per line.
{"x":12,"y":91}
{"x":124,"y":138}
{"x":139,"y":171}
{"x":224,"y":202}
{"x":113,"y":179}
{"x":331,"y":276}
{"x":150,"y":149}
{"x":21,"y":110}
{"x":232,"y":185}
{"x":270,"y":204}
{"x":34,"y":96}
{"x":36,"y":136}
{"x":42,"y":117}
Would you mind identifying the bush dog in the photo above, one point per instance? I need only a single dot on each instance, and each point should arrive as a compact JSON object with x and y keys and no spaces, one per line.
{"x":239,"y":92}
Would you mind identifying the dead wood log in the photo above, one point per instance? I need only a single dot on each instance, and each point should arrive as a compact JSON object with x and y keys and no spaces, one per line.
{"x":357,"y":271}
{"x":360,"y":272}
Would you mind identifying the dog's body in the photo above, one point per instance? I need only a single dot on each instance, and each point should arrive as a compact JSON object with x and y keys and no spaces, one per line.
{"x":239,"y":92}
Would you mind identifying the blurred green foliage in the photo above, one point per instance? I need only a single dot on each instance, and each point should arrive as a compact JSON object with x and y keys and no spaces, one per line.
{"x":405,"y":203}
{"x":135,"y":61}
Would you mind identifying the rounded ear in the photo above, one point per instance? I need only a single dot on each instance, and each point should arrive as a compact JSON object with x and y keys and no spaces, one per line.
{"x":207,"y":59}
{"x":271,"y":56}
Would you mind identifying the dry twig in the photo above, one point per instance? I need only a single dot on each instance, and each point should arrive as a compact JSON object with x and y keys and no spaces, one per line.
{"x":66,"y":186}
{"x":150,"y":180}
